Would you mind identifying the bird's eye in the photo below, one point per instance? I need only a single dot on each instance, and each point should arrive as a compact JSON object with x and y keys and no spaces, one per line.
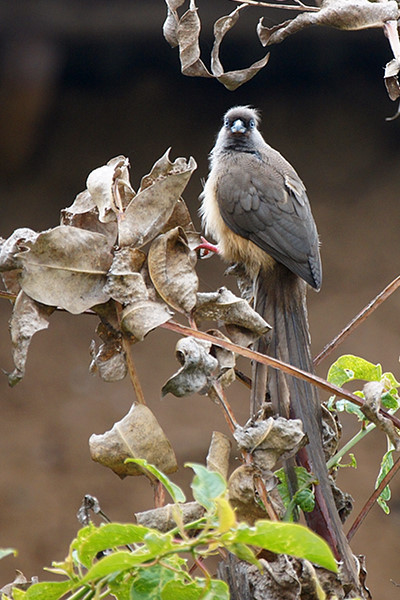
{"x":226,"y":122}
{"x":252,"y":123}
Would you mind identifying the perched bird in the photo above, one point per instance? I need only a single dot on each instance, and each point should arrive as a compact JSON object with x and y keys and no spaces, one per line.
{"x":255,"y":206}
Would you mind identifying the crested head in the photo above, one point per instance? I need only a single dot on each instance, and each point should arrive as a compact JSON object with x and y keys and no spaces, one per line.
{"x":239,"y":132}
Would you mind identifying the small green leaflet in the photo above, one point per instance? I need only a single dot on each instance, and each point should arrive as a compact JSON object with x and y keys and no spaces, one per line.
{"x":174,"y":490}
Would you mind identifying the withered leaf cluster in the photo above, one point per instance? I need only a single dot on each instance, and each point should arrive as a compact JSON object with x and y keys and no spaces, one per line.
{"x":348,"y":15}
{"x":129,"y":258}
{"x":184,"y":32}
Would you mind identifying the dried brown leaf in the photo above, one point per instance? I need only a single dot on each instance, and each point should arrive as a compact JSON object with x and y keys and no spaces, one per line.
{"x":110,"y":188}
{"x":83,"y":213}
{"x":141,"y":317}
{"x":170,"y":27}
{"x":124,"y":283}
{"x":270,"y":440}
{"x":198,"y":371}
{"x":218,"y":453}
{"x":109,"y":359}
{"x":223,"y":305}
{"x":66,"y":267}
{"x":187,"y":36}
{"x":232,"y":79}
{"x":171,"y":267}
{"x":20,"y":583}
{"x":242,"y":495}
{"x":10,"y":247}
{"x":27,"y":318}
{"x":226,"y":360}
{"x":150,"y":210}
{"x":180,"y":218}
{"x":348,"y":15}
{"x":391,"y":79}
{"x":373,"y":392}
{"x":137,"y":435}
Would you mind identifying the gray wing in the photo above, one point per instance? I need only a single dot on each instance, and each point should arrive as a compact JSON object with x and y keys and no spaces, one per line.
{"x":263,"y":200}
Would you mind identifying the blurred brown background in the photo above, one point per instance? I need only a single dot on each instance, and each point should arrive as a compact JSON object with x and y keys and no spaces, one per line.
{"x":81,"y":82}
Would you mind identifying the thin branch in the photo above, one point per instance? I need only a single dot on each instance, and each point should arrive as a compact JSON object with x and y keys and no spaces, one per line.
{"x":358,"y":319}
{"x":372,"y":499}
{"x":300,"y":6}
{"x":276,"y":364}
{"x":133,"y":376}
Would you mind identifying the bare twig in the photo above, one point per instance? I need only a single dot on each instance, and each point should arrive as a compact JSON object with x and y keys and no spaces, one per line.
{"x":129,"y":362}
{"x":300,"y":6}
{"x":358,"y":319}
{"x":276,"y":364}
{"x":372,"y":499}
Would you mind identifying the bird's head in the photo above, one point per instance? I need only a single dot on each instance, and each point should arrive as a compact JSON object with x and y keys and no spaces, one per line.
{"x":241,"y":121}
{"x":239,"y":131}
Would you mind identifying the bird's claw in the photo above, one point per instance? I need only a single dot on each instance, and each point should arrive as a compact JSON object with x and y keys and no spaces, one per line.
{"x":206,"y":249}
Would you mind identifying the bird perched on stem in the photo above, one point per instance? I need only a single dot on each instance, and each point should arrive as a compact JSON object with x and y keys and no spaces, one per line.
{"x":255,"y":206}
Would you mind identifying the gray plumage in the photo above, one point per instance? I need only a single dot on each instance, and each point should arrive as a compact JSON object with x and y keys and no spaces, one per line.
{"x":255,"y":206}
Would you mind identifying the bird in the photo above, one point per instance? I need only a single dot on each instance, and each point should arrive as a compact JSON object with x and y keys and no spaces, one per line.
{"x":256,"y":208}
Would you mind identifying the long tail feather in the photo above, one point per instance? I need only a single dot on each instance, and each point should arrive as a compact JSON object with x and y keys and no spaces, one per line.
{"x":281,"y":299}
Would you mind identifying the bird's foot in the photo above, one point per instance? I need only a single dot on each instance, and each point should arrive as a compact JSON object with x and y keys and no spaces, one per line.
{"x":206,"y":249}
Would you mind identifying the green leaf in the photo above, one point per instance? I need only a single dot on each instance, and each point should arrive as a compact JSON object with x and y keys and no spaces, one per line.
{"x":159,"y":543}
{"x":386,"y":465}
{"x":288,"y":538}
{"x":179,"y":590}
{"x":7,"y":551}
{"x":349,"y":367}
{"x":304,"y":497}
{"x":351,"y":408}
{"x":150,"y":581}
{"x":174,"y":490}
{"x":214,"y":590}
{"x":115,"y":563}
{"x":390,"y":401}
{"x":107,"y":536}
{"x":243,"y":552}
{"x":206,"y":485}
{"x":51,"y":590}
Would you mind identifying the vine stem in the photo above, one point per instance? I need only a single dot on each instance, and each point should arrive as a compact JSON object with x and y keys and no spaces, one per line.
{"x":276,"y":364}
{"x":349,"y":445}
{"x":358,"y":319}
{"x":372,"y":499}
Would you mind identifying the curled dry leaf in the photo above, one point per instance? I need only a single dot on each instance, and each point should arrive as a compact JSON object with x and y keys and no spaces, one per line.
{"x":83,"y":213}
{"x":185,"y":33}
{"x":137,"y":435}
{"x":373,"y":393}
{"x":66,"y":267}
{"x":180,"y":218}
{"x":226,"y":360}
{"x":27,"y":318}
{"x":10,"y":247}
{"x":152,"y":207}
{"x":198,"y":369}
{"x":109,"y":359}
{"x":223,"y":305}
{"x":391,"y":79}
{"x":341,"y":14}
{"x":171,"y":267}
{"x":124,"y":283}
{"x":242,"y":495}
{"x":271,"y":439}
{"x":232,"y":79}
{"x":218,"y":453}
{"x":110,"y":189}
{"x":142,"y":316}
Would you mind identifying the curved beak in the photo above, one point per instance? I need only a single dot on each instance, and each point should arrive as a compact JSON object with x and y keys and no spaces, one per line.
{"x":238,"y":126}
